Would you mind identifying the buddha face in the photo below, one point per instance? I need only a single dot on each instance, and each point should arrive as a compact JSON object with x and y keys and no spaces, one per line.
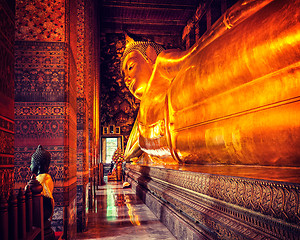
{"x":137,"y":71}
{"x":34,"y":167}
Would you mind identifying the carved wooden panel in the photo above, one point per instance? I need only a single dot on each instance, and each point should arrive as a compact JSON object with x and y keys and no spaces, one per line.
{"x":232,"y":207}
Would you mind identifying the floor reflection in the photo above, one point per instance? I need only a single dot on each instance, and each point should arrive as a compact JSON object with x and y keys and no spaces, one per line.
{"x":119,"y":214}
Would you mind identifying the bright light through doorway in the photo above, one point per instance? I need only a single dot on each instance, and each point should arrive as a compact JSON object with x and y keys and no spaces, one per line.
{"x":111,"y":146}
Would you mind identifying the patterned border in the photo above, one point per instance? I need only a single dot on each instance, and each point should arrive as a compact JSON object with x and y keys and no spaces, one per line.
{"x":277,"y":199}
{"x":180,"y":226}
{"x":40,"y":74}
{"x":40,"y":110}
{"x":40,"y":20}
{"x":7,"y":161}
{"x":6,"y":141}
{"x":6,"y":181}
{"x":6,"y":125}
{"x":272,"y":208}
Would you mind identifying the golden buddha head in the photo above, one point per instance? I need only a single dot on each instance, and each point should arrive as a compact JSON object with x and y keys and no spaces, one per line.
{"x":137,"y":64}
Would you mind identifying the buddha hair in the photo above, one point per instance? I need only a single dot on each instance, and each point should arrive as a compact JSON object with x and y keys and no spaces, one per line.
{"x":41,"y":158}
{"x":141,"y":47}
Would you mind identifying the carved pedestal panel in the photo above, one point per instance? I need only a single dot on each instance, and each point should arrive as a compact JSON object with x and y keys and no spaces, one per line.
{"x":195,"y":205}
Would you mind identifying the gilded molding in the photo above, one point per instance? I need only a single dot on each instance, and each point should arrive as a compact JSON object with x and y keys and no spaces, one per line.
{"x":231,"y":206}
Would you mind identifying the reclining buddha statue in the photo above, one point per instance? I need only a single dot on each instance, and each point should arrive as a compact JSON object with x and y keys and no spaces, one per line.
{"x":232,"y":98}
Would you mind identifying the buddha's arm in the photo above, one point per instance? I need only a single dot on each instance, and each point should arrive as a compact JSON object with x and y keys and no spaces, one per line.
{"x":133,"y":149}
{"x":169,"y":62}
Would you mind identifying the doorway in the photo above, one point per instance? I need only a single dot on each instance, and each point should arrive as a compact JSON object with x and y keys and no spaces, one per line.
{"x":109,"y":144}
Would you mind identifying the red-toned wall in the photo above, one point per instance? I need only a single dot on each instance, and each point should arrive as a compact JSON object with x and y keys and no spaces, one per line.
{"x":54,"y":99}
{"x":6,"y":97}
{"x":87,"y":88}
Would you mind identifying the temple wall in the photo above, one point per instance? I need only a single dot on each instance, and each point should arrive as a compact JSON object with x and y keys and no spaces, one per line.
{"x":82,"y":167}
{"x":118,"y":106}
{"x":45,"y":100}
{"x":55,"y":99}
{"x":41,"y":113}
{"x":6,"y":97}
{"x":87,"y":102}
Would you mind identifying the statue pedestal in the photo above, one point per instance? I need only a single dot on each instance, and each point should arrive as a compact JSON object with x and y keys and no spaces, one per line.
{"x":226,"y":202}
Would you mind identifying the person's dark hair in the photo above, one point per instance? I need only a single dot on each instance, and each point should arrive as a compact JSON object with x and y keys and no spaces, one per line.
{"x":40,"y":160}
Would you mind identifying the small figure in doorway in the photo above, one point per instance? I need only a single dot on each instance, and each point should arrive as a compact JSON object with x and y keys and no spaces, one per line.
{"x":112,"y":164}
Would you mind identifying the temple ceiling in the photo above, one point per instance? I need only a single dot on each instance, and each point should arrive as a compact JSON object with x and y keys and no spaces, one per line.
{"x":154,"y":19}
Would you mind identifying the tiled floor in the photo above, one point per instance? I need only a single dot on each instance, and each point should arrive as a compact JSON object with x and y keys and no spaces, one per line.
{"x":119,"y":214}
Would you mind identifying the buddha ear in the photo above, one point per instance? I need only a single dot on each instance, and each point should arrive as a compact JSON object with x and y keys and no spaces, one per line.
{"x":151,"y":54}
